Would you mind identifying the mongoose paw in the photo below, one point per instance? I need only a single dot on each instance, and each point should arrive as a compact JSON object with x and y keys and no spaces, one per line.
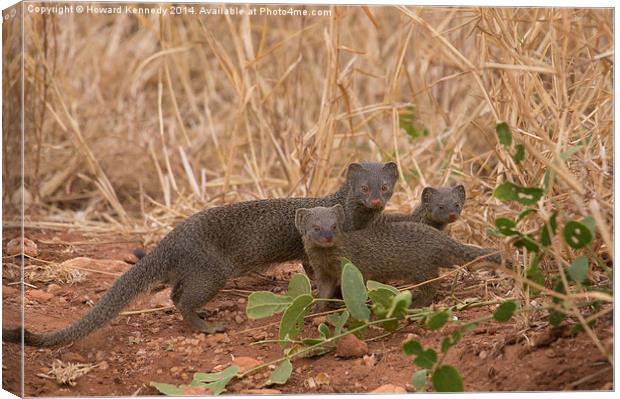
{"x":212,"y":328}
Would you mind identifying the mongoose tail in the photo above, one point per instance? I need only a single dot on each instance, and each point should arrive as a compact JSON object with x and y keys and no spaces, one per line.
{"x":459,"y":254}
{"x":125,"y":288}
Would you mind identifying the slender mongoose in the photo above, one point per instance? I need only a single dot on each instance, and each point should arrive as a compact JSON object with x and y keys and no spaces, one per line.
{"x":382,"y":251}
{"x":199,"y":255}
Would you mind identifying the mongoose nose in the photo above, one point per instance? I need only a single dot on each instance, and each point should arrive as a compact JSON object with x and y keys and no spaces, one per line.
{"x":376,"y":203}
{"x":452,"y":217}
{"x":328,"y":239}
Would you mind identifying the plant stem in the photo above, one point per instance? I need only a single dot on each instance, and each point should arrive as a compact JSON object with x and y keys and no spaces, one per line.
{"x":308,"y":349}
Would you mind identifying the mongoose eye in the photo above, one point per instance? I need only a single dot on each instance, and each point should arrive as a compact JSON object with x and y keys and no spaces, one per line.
{"x":365,"y":189}
{"x":440,"y":207}
{"x":458,"y":206}
{"x":334,"y":227}
{"x":384,"y":188}
{"x":316,"y":228}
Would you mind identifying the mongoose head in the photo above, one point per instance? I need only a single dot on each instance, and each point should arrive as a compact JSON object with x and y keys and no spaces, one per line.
{"x":444,"y":204}
{"x":371,"y":184}
{"x":320,"y":226}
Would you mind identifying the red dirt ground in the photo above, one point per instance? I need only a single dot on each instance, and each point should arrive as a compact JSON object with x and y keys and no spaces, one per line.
{"x":136,"y":349}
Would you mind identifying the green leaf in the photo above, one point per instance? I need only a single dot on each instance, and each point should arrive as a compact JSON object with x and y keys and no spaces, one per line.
{"x":553,"y":222}
{"x":264,"y":304}
{"x":167,"y":389}
{"x":528,"y":242}
{"x":590,"y":223}
{"x":218,"y":387}
{"x":506,"y":226}
{"x":511,"y":192}
{"x":549,"y":229}
{"x":503,"y":134}
{"x":281,"y":374}
{"x":373,"y":285}
{"x":555,"y":317}
{"x":293,"y":317}
{"x":338,"y":320}
{"x":406,"y":121}
{"x":576,"y":234}
{"x":545,"y":236}
{"x":519,"y":154}
{"x":504,"y":311}
{"x":354,"y":292}
{"x":535,"y":274}
{"x":382,"y":297}
{"x":400,"y":304}
{"x":450,"y":340}
{"x":578,"y":270}
{"x":299,"y":285}
{"x":381,"y":301}
{"x":426,"y":359}
{"x":438,"y":319}
{"x":419,"y":379}
{"x":558,"y":287}
{"x":358,"y":324}
{"x":397,"y":309}
{"x":311,"y":342}
{"x":228,"y":372}
{"x":447,"y":379}
{"x":525,"y":214}
{"x":412,"y":347}
{"x":577,"y":328}
{"x":323,"y":330}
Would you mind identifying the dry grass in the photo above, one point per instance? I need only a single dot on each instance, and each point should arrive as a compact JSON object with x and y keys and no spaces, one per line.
{"x":67,"y":373}
{"x":134,"y":118}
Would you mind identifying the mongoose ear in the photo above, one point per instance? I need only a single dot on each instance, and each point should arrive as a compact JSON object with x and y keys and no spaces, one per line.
{"x":460,"y":191}
{"x":354,"y":170}
{"x":392,"y":169}
{"x":300,"y":218}
{"x":340,"y":216}
{"x":427,"y":194}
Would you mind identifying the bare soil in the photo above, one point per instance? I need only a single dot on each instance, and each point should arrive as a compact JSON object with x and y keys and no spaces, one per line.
{"x":156,"y":346}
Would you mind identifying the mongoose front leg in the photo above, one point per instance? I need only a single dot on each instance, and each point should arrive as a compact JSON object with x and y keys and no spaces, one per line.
{"x":327,"y":286}
{"x":424,"y":296}
{"x":307,"y":268}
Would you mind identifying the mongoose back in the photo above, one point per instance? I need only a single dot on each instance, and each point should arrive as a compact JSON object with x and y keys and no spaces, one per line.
{"x":382,"y":251}
{"x":214,"y":245}
{"x":439,"y":207}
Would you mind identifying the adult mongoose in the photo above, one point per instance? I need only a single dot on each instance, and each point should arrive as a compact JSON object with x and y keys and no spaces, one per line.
{"x":199,"y":255}
{"x":439,"y":207}
{"x":382,"y":251}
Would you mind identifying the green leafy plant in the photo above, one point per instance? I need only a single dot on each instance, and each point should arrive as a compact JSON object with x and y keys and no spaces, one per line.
{"x":407,"y":122}
{"x":365,"y":304}
{"x":552,"y":234}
